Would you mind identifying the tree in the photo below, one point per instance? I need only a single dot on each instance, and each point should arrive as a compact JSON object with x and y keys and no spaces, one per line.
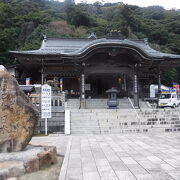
{"x":77,"y":17}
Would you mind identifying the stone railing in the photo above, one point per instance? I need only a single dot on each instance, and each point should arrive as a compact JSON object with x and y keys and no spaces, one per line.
{"x":57,"y":102}
{"x":56,"y":122}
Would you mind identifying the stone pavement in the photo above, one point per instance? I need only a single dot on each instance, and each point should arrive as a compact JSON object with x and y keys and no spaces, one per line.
{"x":58,"y":140}
{"x":119,"y":156}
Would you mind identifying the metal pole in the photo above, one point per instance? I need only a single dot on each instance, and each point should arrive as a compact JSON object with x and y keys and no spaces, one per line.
{"x":45,"y":126}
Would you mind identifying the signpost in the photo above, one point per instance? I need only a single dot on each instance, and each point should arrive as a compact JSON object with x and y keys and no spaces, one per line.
{"x":46,"y":104}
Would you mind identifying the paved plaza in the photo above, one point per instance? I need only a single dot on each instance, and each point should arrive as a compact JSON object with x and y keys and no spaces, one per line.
{"x":118,"y":156}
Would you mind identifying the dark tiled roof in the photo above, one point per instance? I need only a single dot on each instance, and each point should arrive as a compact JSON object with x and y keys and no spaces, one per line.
{"x":58,"y":46}
{"x":77,"y":47}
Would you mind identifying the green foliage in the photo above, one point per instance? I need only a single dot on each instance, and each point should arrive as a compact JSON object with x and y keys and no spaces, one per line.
{"x":170,"y":76}
{"x":154,"y":12}
{"x":33,"y":41}
{"x":77,"y":16}
{"x":23,"y":22}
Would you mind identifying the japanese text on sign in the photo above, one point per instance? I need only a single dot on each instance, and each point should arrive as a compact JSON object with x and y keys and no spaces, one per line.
{"x":46,"y":101}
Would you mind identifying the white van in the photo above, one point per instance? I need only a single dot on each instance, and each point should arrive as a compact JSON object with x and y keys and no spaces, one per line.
{"x":168,"y":100}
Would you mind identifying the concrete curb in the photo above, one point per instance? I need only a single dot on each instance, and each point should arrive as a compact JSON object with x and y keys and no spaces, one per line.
{"x":63,"y":171}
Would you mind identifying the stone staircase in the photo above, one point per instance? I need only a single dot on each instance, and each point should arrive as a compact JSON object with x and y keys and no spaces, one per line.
{"x":102,"y":104}
{"x":97,"y":104}
{"x":73,"y":104}
{"x":124,"y":103}
{"x":105,"y":121}
{"x":83,"y":122}
{"x":144,"y":105}
{"x":102,"y":121}
{"x":165,"y":119}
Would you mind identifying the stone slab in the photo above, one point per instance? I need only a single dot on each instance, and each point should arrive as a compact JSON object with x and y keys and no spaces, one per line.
{"x":138,"y":156}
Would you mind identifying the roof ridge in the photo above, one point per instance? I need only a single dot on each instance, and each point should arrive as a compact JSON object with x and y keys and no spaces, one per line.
{"x":65,"y":38}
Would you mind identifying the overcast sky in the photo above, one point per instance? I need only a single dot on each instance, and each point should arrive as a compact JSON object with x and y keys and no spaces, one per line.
{"x":167,"y":4}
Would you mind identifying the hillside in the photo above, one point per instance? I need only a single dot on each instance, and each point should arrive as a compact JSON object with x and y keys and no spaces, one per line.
{"x":24,"y":22}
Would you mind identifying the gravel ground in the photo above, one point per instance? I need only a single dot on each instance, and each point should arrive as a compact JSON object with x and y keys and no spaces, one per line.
{"x":49,"y":173}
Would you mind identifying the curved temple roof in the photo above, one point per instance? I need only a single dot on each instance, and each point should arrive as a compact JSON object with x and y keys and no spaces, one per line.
{"x":81,"y":47}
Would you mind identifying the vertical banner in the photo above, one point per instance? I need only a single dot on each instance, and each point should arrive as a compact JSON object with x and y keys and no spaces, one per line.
{"x":135,"y":84}
{"x":152,"y":91}
{"x":61,"y":84}
{"x":46,"y":101}
{"x":83,"y":86}
{"x":28,"y":81}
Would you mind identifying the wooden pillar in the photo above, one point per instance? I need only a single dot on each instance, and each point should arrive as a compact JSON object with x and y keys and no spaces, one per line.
{"x":125,"y":85}
{"x":42,"y":72}
{"x":119,"y":80}
{"x":135,"y":88}
{"x":159,"y":83}
{"x":82,"y":95}
{"x":42,"y":76}
{"x":42,"y":81}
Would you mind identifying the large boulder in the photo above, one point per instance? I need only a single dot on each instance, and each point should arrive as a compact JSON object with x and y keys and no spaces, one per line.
{"x":18,"y":116}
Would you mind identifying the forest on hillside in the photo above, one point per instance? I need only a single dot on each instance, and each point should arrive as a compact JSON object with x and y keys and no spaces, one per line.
{"x":24,"y":22}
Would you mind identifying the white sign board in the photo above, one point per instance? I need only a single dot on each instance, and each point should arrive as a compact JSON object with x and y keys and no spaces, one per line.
{"x":46,"y":101}
{"x":152,"y":91}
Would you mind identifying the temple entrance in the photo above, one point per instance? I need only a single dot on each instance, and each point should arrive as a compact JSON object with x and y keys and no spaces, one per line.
{"x":97,"y":85}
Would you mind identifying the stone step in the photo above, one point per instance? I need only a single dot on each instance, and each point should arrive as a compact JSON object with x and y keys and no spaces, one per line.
{"x":94,"y":129}
{"x":122,"y":121}
{"x":110,"y":118}
{"x":84,"y":125}
{"x":96,"y":104}
{"x":84,"y":132}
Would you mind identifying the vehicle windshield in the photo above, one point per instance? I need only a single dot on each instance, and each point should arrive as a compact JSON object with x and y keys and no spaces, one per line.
{"x":165,"y":96}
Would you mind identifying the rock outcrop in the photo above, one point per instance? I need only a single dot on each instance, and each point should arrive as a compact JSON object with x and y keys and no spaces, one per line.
{"x":18,"y":117}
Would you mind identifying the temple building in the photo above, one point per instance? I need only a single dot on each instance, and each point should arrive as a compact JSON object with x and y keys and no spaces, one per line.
{"x":87,"y":67}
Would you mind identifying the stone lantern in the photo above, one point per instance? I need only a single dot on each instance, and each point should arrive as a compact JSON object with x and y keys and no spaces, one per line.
{"x":112,"y":101}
